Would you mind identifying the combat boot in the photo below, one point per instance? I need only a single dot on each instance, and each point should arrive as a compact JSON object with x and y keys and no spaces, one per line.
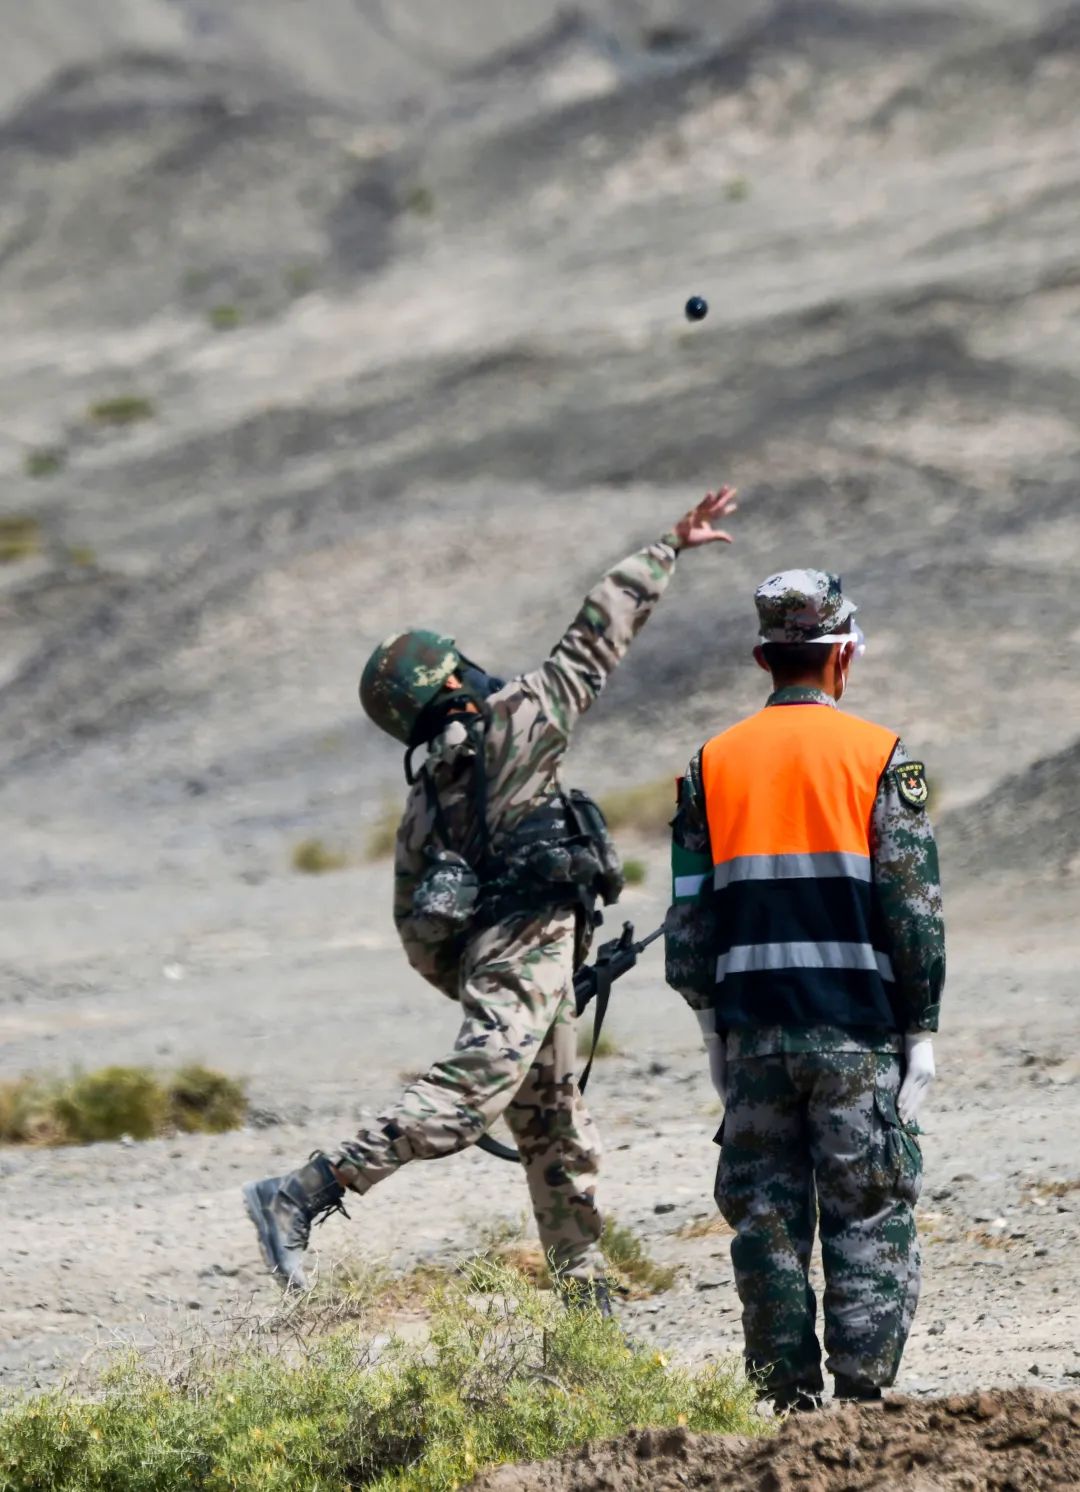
{"x":795,"y":1399}
{"x":587,"y":1295}
{"x":283,"y":1209}
{"x":855,"y":1391}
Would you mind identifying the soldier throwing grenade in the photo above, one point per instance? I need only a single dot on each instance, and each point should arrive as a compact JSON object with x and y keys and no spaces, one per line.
{"x":497,"y":873}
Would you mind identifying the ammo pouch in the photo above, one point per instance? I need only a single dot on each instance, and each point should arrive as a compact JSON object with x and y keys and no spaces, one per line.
{"x":446,"y":894}
{"x":560,"y":855}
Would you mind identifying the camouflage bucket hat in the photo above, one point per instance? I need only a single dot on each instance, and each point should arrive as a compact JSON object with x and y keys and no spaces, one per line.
{"x":403,"y":675}
{"x":801,"y":606}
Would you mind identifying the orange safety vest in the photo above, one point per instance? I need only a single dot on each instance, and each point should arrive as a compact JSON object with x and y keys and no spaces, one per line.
{"x":789,"y":795}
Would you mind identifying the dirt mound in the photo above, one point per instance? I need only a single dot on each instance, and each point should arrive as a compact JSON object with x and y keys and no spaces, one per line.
{"x":1009,"y":1439}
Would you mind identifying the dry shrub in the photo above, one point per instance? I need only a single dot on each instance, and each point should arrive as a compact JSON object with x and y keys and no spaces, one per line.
{"x":114,"y":1102}
{"x":312,"y":857}
{"x":123,"y":409}
{"x":20,"y":538}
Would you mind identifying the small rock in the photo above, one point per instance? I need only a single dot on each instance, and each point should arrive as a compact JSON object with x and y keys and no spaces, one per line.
{"x":662,"y":1207}
{"x":938,"y":1329}
{"x":1034,"y":1370}
{"x":194,"y":1305}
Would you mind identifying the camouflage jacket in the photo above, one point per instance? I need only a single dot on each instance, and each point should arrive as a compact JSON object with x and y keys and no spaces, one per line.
{"x":525,"y":736}
{"x":908,"y":891}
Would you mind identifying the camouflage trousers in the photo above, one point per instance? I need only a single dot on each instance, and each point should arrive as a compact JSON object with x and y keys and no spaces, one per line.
{"x":821,"y":1126}
{"x":515,"y":1055}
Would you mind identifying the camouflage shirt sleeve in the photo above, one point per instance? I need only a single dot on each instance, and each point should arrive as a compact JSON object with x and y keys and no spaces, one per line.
{"x":690,"y":929}
{"x":531,"y":718}
{"x":908,"y":884}
{"x":598,"y":638}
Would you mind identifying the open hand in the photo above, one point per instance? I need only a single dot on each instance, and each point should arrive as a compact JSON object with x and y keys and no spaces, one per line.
{"x":696,"y":527}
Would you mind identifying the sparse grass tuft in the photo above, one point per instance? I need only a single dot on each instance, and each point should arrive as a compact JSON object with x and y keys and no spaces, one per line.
{"x":508,"y":1375}
{"x":382,"y":835}
{"x":1060,"y":1187}
{"x":46,"y":461}
{"x":737,"y":189}
{"x":124,"y":409}
{"x":314,"y":858}
{"x":419,"y":200}
{"x":82,"y":555}
{"x":299,"y":279}
{"x":648,"y":808}
{"x":206,"y":1102}
{"x":116,"y":1101}
{"x":631,"y":1264}
{"x":635,"y":872}
{"x":607,"y":1046}
{"x":20,"y":538}
{"x":709,"y":1225}
{"x":224,"y":318}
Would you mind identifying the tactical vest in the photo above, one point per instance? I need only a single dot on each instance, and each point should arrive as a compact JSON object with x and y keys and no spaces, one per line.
{"x":789,"y":795}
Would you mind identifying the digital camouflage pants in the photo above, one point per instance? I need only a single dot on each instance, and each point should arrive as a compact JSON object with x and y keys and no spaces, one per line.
{"x":820,"y":1126}
{"x":515,"y":1055}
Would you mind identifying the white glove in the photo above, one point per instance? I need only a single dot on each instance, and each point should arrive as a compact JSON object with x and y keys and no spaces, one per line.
{"x":716,"y":1050}
{"x":918,"y":1074}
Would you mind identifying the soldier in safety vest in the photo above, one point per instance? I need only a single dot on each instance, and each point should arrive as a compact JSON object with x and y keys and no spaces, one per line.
{"x":496,"y":878}
{"x":807,"y":935}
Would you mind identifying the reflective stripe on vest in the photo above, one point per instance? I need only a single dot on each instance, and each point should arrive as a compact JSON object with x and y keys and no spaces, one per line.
{"x":789,"y":795}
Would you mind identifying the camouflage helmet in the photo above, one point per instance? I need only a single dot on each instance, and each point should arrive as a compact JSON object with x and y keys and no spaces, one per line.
{"x":403,"y":675}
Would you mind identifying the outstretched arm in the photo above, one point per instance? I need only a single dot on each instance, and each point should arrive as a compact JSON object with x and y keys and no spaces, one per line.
{"x":614,"y":612}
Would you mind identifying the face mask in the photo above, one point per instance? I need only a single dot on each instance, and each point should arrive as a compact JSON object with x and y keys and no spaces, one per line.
{"x":477,"y":682}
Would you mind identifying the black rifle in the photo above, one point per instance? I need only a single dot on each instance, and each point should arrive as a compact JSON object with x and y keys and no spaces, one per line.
{"x":593,"y":982}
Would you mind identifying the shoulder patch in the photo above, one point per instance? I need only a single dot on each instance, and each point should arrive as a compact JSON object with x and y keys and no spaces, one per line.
{"x":911,"y":783}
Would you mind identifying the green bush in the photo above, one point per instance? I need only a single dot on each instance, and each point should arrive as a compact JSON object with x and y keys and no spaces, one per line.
{"x":312,"y":857}
{"x":112,"y":1102}
{"x":125,"y":409}
{"x":505,"y":1376}
{"x":20,"y":538}
{"x":634,"y":872}
{"x":117,"y":1101}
